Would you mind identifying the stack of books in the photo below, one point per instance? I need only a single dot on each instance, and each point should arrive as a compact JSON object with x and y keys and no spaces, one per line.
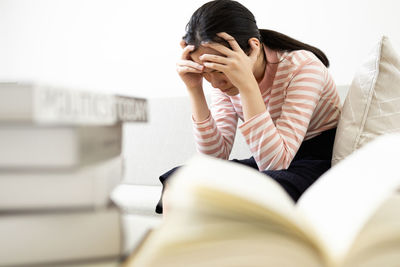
{"x":60,"y":158}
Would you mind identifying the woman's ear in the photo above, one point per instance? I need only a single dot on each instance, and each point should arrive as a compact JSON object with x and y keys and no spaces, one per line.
{"x":255,"y":46}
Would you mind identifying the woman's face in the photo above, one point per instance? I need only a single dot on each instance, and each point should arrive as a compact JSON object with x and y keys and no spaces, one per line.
{"x":215,"y":78}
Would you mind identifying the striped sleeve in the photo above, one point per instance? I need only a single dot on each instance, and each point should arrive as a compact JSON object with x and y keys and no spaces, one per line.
{"x":215,"y":135}
{"x":274,"y":145}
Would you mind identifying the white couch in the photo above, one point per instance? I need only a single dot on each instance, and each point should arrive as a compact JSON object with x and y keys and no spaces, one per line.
{"x":153,"y":148}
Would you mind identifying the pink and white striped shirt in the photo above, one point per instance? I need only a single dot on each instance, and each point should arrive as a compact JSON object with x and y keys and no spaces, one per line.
{"x":301,"y":102}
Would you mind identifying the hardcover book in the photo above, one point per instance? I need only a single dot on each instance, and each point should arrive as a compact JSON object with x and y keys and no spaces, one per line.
{"x":42,"y":104}
{"x":223,"y":214}
{"x":50,"y":238}
{"x":33,"y":147}
{"x":87,"y":187}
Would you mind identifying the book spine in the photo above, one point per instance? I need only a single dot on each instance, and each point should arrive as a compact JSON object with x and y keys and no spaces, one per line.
{"x":131,"y":109}
{"x":61,"y":106}
{"x":54,"y":105}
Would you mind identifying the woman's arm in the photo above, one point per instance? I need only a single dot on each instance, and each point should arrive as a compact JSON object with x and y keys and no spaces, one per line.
{"x":191,"y":74}
{"x":198,"y":103}
{"x":213,"y":137}
{"x":274,"y":145}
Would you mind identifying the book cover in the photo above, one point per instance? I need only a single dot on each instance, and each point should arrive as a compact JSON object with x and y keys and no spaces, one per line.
{"x":43,"y":104}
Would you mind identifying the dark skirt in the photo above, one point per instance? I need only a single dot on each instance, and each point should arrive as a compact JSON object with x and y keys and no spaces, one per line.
{"x":312,"y":159}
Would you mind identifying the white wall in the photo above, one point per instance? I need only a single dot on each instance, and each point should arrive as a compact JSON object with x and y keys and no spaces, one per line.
{"x":131,"y":46}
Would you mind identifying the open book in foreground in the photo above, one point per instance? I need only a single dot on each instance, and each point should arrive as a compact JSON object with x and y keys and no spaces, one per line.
{"x":226,"y":214}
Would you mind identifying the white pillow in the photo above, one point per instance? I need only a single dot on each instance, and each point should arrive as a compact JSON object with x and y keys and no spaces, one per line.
{"x":372,"y":105}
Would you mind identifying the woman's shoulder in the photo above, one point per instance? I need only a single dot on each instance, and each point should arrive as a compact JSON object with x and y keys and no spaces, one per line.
{"x":299,"y":58}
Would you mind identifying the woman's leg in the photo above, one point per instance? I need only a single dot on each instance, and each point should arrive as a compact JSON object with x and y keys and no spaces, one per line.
{"x":311,"y":161}
{"x":300,"y":175}
{"x":163,"y":179}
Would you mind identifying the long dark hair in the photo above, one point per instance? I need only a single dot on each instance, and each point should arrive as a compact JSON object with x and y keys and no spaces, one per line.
{"x":235,"y":19}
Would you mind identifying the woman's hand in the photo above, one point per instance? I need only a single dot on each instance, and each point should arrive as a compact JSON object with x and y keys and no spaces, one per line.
{"x":238,"y":68}
{"x":191,"y":74}
{"x":189,"y":71}
{"x":235,"y":64}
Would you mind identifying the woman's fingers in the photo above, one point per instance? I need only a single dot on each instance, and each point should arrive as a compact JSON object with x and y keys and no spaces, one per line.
{"x":184,"y":66}
{"x":189,"y":63}
{"x":223,"y":49}
{"x":187,"y":69}
{"x":183,"y":43}
{"x":186,"y":51}
{"x":214,"y":58}
{"x":232,"y":42}
{"x":216,"y":66}
{"x":220,"y":48}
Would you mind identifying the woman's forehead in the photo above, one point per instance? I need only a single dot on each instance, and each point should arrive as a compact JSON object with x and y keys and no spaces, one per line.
{"x":203,"y":50}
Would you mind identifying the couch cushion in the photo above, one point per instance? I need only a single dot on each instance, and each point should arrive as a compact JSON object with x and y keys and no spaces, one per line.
{"x":371,"y":107}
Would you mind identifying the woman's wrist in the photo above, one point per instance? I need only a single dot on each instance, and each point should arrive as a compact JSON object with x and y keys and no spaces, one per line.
{"x":252,"y":101}
{"x":195,"y":89}
{"x":199,"y":105}
{"x":248,"y":86}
